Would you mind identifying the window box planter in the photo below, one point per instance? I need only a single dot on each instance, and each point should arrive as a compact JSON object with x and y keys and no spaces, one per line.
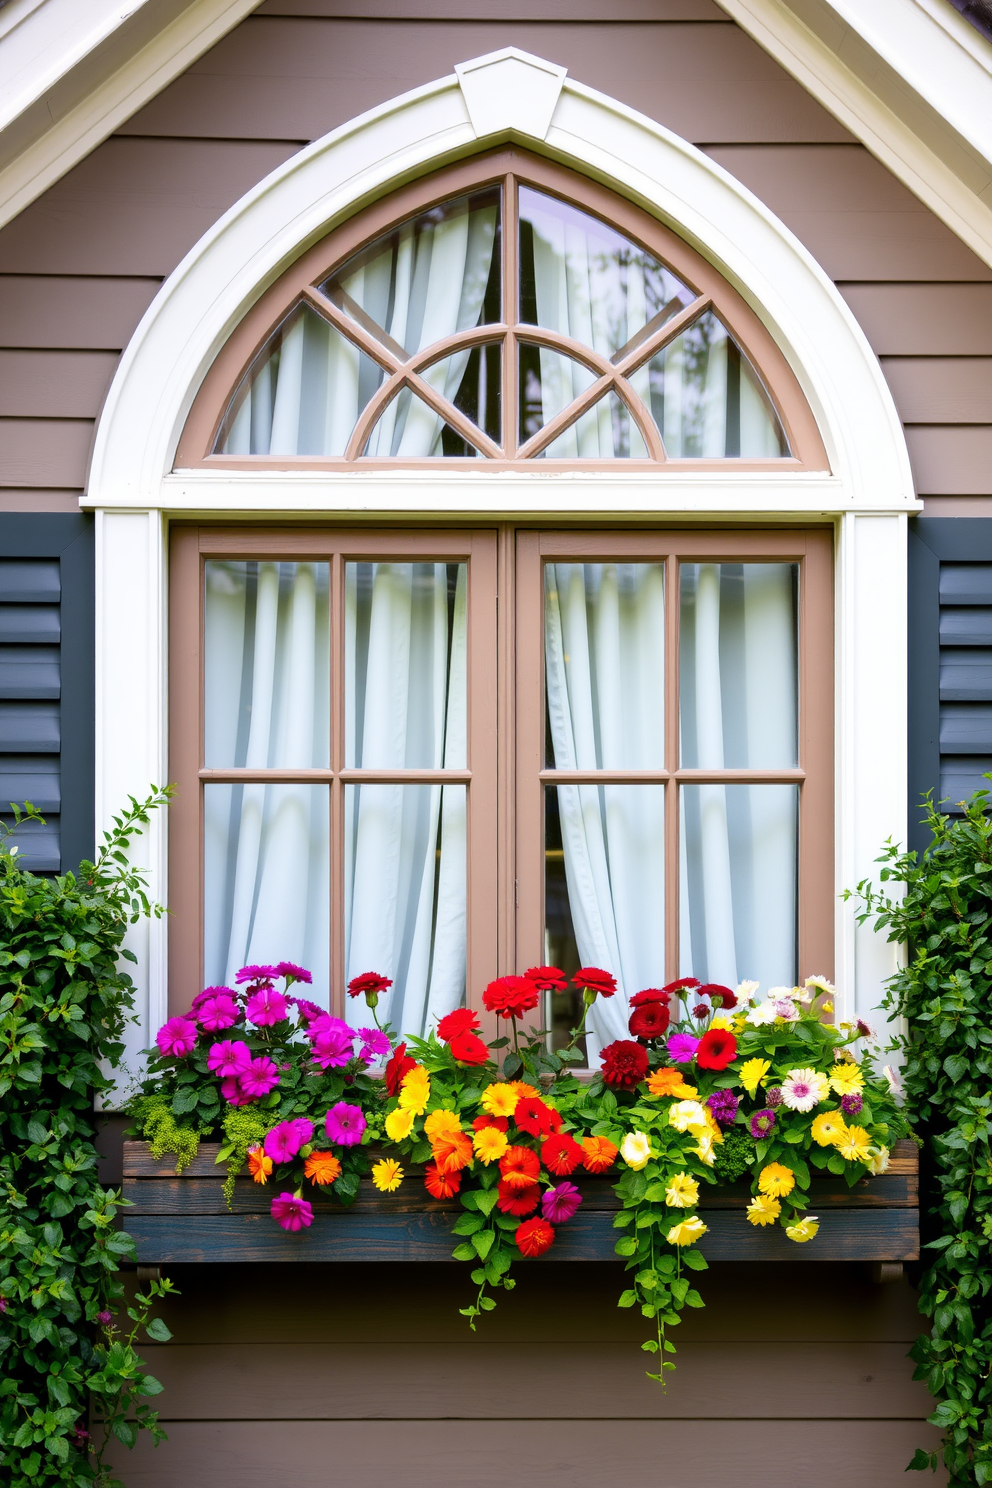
{"x":185,"y":1219}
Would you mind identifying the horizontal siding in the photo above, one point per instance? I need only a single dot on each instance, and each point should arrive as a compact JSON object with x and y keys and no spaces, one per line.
{"x":44,"y":452}
{"x":507,"y":10}
{"x":953,"y":390}
{"x":933,"y":320}
{"x":72,"y":311}
{"x":56,"y":384}
{"x":951,"y":460}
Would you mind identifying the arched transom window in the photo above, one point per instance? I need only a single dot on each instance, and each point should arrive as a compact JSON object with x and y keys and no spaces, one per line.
{"x":508,"y":311}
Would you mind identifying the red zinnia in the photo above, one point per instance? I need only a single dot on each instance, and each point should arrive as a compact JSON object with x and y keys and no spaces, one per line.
{"x":535,"y":1118}
{"x":624,"y":1063}
{"x":369,"y":981}
{"x":462,"y":1020}
{"x":519,"y":1166}
{"x":650,"y":1020}
{"x":441,"y":1185}
{"x":518,"y":1201}
{"x":468,"y":1048}
{"x":511,"y":996}
{"x":561,"y":1154}
{"x":501,"y":1123}
{"x":650,"y":994}
{"x":717,"y":1049}
{"x":401,"y":1064}
{"x":547,"y":978}
{"x":594,"y":979}
{"x":718,"y":995}
{"x":534,"y":1237}
{"x":682,"y":985}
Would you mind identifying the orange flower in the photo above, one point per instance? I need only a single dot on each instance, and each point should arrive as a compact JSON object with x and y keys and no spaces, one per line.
{"x":668,"y":1082}
{"x":452,"y":1151}
{"x":599,"y":1154}
{"x":441,"y":1124}
{"x":322,"y":1168}
{"x":441,"y":1185}
{"x":523,"y":1089}
{"x":517,"y":1200}
{"x":259,"y":1164}
{"x":519,"y":1167}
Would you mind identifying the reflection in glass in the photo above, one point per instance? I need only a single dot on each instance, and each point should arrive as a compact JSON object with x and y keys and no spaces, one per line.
{"x":549,"y":382}
{"x":604,"y":641}
{"x":738,"y":883}
{"x":707,"y":399}
{"x":266,"y":665}
{"x":605,"y":431}
{"x":405,"y":898}
{"x":738,"y":670}
{"x":266,"y":879}
{"x":588,"y":281}
{"x":405,"y":665}
{"x":410,"y":427}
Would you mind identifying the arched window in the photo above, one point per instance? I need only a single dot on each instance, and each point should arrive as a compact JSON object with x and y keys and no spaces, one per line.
{"x":505,"y":310}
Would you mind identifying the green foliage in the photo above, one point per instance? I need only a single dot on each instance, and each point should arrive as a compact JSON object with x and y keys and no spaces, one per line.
{"x":945,"y":994}
{"x":63,"y":1007}
{"x":735,"y":1155}
{"x":154,"y":1117}
{"x":244,"y":1126}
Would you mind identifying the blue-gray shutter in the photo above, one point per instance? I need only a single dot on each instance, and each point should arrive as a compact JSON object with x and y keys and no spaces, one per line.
{"x":46,"y":683}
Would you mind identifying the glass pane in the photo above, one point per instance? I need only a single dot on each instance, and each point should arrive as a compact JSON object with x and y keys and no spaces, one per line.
{"x":405,"y":898}
{"x":605,"y":892}
{"x":549,"y":382}
{"x":409,"y":427}
{"x":588,"y":281}
{"x":266,"y":880}
{"x":604,"y":646}
{"x":472,"y":380}
{"x":266,"y":665}
{"x":405,"y":666}
{"x":738,"y":669}
{"x":708,"y":400}
{"x":738,"y":883}
{"x":431,"y":276}
{"x":605,"y":431}
{"x":302,"y":394}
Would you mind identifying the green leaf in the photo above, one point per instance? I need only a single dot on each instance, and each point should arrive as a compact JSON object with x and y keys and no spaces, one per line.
{"x":467,"y":1224}
{"x":156,"y":1329}
{"x":483,"y":1242}
{"x":626,"y":1247}
{"x":464,"y":1253}
{"x":487,"y":1200}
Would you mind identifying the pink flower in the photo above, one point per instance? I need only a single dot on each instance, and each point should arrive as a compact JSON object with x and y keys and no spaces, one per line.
{"x":176,"y":1037}
{"x":293,"y":973}
{"x":333,"y":1041}
{"x":344,"y":1124}
{"x":256,"y":974}
{"x":560,"y":1203}
{"x":682,"y":1047}
{"x":105,"y":1318}
{"x":284,"y":1141}
{"x":215,"y":1009}
{"x":231,"y":1090}
{"x":375,"y":1045}
{"x":266,"y":1007}
{"x":292,"y":1213}
{"x":261,"y":1076}
{"x":307,"y":1010}
{"x":229,"y":1057}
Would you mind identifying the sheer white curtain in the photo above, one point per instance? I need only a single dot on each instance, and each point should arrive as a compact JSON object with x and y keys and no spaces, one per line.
{"x":405,"y":680}
{"x":604,"y":648}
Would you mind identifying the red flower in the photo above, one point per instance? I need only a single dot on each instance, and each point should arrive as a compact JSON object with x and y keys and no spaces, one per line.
{"x":700,"y":1010}
{"x":441,"y":1185}
{"x":462,"y":1020}
{"x":561,"y":1154}
{"x":534,"y":1237}
{"x":511,"y":996}
{"x":593,"y":979}
{"x":517,"y":1201}
{"x":682,"y":985}
{"x":468,"y":1048}
{"x":547,"y":978}
{"x":624,"y":1063}
{"x":519,"y":1167}
{"x":650,"y":1020}
{"x":650,"y":994}
{"x":718,"y":995}
{"x":401,"y":1064}
{"x":501,"y":1123}
{"x":535,"y":1118}
{"x":369,"y":981}
{"x":717,"y":1049}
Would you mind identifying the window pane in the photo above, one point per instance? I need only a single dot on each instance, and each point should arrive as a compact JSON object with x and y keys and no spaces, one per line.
{"x":472,"y":380}
{"x":605,"y":431}
{"x":405,"y":898}
{"x":549,"y":382}
{"x":266,"y":665}
{"x":405,"y":665}
{"x":604,"y":641}
{"x":266,"y":879}
{"x":707,"y":399}
{"x":605,"y":891}
{"x":738,"y":883}
{"x":411,"y":428}
{"x":586,"y":280}
{"x":738,"y":665}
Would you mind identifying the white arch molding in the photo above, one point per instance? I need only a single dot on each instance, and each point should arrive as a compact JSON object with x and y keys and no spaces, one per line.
{"x":867,"y":492}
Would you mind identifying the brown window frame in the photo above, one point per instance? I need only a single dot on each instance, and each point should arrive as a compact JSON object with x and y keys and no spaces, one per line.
{"x":300,"y":283}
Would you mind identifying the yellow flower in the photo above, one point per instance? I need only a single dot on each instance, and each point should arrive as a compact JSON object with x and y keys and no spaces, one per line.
{"x":721,"y":1020}
{"x":635,"y":1149}
{"x":399,"y":1124}
{"x":415,"y":1090}
{"x":826,"y":1007}
{"x":879,"y":1159}
{"x":670,"y":1081}
{"x":387,"y":1175}
{"x":846,"y":1079}
{"x":490,"y":1144}
{"x":500,"y":1099}
{"x":441,"y":1124}
{"x":763,"y":1210}
{"x":687,"y":1232}
{"x":688,"y":1115}
{"x":804,"y":1230}
{"x":855,"y":1145}
{"x":682,"y":1192}
{"x":828,"y":1128}
{"x":753,"y":1071}
{"x":776,"y":1180}
{"x":704,"y":1149}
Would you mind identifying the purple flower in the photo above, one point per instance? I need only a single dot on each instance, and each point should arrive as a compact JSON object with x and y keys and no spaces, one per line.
{"x":375,"y":1045}
{"x":344,"y":1124}
{"x":851,"y":1104}
{"x":261,"y":1076}
{"x":865,"y":1029}
{"x":80,"y":1438}
{"x":307,"y":1010}
{"x":256,"y":974}
{"x":761,"y":1124}
{"x":293,"y":973}
{"x":284,"y":1141}
{"x":229,"y":1057}
{"x":723,"y":1104}
{"x":3,"y":1305}
{"x":559,"y":1204}
{"x":682,"y":1047}
{"x":333,"y":1041}
{"x":231,"y":1090}
{"x":176,"y":1037}
{"x":290,"y":1212}
{"x":105,"y":1318}
{"x":215,"y":1010}
{"x":266,"y":1007}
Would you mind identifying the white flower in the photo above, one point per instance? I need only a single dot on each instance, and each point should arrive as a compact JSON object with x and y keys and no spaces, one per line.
{"x":746,"y":990}
{"x":688,"y":1115}
{"x":764,"y":1013}
{"x":636,"y":1149}
{"x":802,"y":1089}
{"x":783,"y":994}
{"x":895,"y":1083}
{"x":878,"y":1159}
{"x":821,"y":984}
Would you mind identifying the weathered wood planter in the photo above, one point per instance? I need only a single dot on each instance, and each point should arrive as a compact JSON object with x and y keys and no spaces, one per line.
{"x":181,"y":1219}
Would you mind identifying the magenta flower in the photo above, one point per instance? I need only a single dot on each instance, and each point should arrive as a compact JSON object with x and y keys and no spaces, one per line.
{"x":3,"y":1305}
{"x":851,"y":1104}
{"x":266,"y":1006}
{"x":261,"y":1076}
{"x":229,"y":1057}
{"x":293,"y":973}
{"x":375,"y":1045}
{"x":774,"y":1095}
{"x":333,"y":1041}
{"x":559,"y":1204}
{"x":231,"y":1090}
{"x":284,"y":1141}
{"x":215,"y":1010}
{"x":344,"y":1124}
{"x":292,"y":1213}
{"x":682,"y":1047}
{"x":307,"y":1010}
{"x":761,"y":1124}
{"x":256,"y":974}
{"x":105,"y":1318}
{"x":176,"y":1037}
{"x":723,"y":1104}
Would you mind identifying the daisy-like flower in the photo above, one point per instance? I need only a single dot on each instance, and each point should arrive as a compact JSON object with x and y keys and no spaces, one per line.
{"x":387,"y":1175}
{"x":266,"y":1007}
{"x":375,"y":1045}
{"x":261,"y":1076}
{"x":802,"y":1089}
{"x":519,"y":1167}
{"x":682,"y":1192}
{"x":322,"y":1168}
{"x":752,"y":1072}
{"x":598,"y":1154}
{"x":763,"y":1210}
{"x":746,"y":990}
{"x":761,"y":1124}
{"x":399,"y":1124}
{"x":489,"y":1144}
{"x":500,"y":1099}
{"x":687,"y":1115}
{"x":828,"y":1128}
{"x":228,"y":1057}
{"x":452,"y":1151}
{"x":804,"y":1230}
{"x":441,"y":1124}
{"x":687,"y":1232}
{"x":670,"y":1081}
{"x":846,"y":1078}
{"x":635,"y":1149}
{"x":344,"y":1124}
{"x":415,"y":1090}
{"x":259,"y":1164}
{"x":854,"y":1145}
{"x":820,"y":984}
{"x":682,"y":1048}
{"x":176,"y":1038}
{"x":776,"y":1180}
{"x":760,"y":1014}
